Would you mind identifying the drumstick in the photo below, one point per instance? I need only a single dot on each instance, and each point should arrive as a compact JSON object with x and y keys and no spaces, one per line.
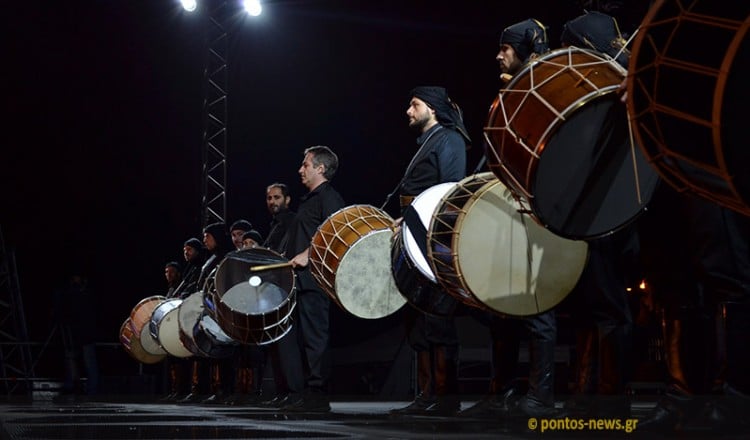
{"x":270,"y":266}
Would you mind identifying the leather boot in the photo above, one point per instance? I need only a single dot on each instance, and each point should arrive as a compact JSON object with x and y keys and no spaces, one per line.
{"x":447,"y":401}
{"x":729,"y":413}
{"x":173,"y":376}
{"x":503,"y":391}
{"x":426,"y":396}
{"x":217,"y":393}
{"x":195,"y":394}
{"x":240,"y":387}
{"x":580,"y":403}
{"x":614,"y":363}
{"x":539,"y":401}
{"x":673,"y":409}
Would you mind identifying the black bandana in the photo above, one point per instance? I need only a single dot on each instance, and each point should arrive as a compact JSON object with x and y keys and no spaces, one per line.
{"x":526,"y":37}
{"x":596,"y":31}
{"x":447,"y":112}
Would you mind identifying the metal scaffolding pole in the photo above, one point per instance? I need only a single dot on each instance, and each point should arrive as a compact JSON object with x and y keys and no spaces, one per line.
{"x":214,"y":200}
{"x":15,"y":354}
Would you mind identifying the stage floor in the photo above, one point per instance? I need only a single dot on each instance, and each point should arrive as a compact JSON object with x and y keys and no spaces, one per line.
{"x":108,"y":419}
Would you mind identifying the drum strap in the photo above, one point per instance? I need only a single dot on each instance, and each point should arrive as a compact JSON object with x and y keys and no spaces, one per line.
{"x":418,"y":231}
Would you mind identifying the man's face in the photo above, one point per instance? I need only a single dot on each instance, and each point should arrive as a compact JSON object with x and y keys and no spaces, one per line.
{"x":171,"y":274}
{"x":189,"y":253}
{"x":308,"y":172}
{"x":209,"y":241}
{"x":276,"y":201}
{"x":509,"y":62}
{"x":237,"y":238}
{"x":419,"y":114}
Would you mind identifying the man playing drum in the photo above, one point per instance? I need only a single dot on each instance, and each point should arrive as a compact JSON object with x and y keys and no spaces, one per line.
{"x":519,"y":43}
{"x":441,"y":158}
{"x":306,"y":344}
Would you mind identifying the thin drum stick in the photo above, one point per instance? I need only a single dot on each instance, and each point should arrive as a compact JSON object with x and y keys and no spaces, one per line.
{"x":270,"y":266}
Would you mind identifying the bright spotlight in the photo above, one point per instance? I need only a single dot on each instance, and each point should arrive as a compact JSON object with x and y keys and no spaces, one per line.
{"x":253,"y":7}
{"x":189,"y":5}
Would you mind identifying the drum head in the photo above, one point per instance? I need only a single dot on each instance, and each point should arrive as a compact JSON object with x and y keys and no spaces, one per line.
{"x":188,"y":315}
{"x":169,"y":329}
{"x":425,"y":204}
{"x":591,"y":179}
{"x":505,"y":259}
{"x":242,"y":290}
{"x":364,"y":281}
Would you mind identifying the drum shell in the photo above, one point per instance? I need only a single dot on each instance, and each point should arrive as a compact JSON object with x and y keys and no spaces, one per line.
{"x":695,"y":138}
{"x":350,"y":261}
{"x":420,"y":292}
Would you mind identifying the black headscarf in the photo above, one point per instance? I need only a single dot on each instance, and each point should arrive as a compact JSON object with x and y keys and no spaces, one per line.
{"x":195,"y":244}
{"x":526,"y":37}
{"x":221,"y":236}
{"x":597,"y":31}
{"x":447,"y":112}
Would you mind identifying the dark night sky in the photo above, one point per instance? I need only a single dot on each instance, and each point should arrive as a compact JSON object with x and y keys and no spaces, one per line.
{"x":101,"y":159}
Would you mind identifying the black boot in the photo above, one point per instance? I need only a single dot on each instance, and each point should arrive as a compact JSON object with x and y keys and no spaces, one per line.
{"x":196,"y":394}
{"x":579,"y":405}
{"x":614,"y":364}
{"x":539,"y":401}
{"x":447,"y":400}
{"x":729,"y":412}
{"x":217,"y":396}
{"x":426,"y":396}
{"x":678,"y":404}
{"x":503,"y":391}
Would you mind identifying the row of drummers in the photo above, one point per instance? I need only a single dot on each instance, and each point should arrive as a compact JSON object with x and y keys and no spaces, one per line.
{"x":232,"y":308}
{"x":468,"y":242}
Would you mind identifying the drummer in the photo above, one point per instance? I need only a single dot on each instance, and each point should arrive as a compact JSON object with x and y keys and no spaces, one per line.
{"x":601,"y":309}
{"x":305,"y":348}
{"x":441,"y":157}
{"x":519,"y":44}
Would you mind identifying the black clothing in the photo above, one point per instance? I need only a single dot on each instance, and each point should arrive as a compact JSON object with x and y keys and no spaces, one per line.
{"x":306,"y":344}
{"x":440,"y":158}
{"x":277,"y":237}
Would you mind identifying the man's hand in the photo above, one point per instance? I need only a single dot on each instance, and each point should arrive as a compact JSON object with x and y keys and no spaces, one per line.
{"x":301,"y":259}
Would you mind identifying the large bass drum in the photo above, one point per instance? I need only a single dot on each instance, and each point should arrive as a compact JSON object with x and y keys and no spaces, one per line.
{"x":350,"y":260}
{"x":140,"y":319}
{"x":165,"y":328}
{"x":688,"y":105}
{"x":253,"y":296}
{"x":131,"y":342}
{"x":488,"y":254}
{"x":559,"y":137}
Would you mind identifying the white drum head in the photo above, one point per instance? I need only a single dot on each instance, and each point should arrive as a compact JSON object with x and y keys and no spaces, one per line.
{"x":169,"y":333}
{"x":189,"y":313}
{"x":364,"y":281}
{"x":425,"y":205}
{"x":149,"y":343}
{"x":510,"y":262}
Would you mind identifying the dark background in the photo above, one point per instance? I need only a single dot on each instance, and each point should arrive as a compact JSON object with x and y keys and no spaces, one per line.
{"x":101,"y":163}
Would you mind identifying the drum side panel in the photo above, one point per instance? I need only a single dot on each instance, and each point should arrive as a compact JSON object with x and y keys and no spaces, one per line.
{"x":364,"y":281}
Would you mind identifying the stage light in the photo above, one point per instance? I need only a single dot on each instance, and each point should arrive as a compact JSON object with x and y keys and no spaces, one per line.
{"x":189,"y":5}
{"x":253,"y":7}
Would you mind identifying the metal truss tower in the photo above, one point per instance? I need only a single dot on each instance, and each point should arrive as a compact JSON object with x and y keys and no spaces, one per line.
{"x":16,"y":368}
{"x":214,"y":199}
